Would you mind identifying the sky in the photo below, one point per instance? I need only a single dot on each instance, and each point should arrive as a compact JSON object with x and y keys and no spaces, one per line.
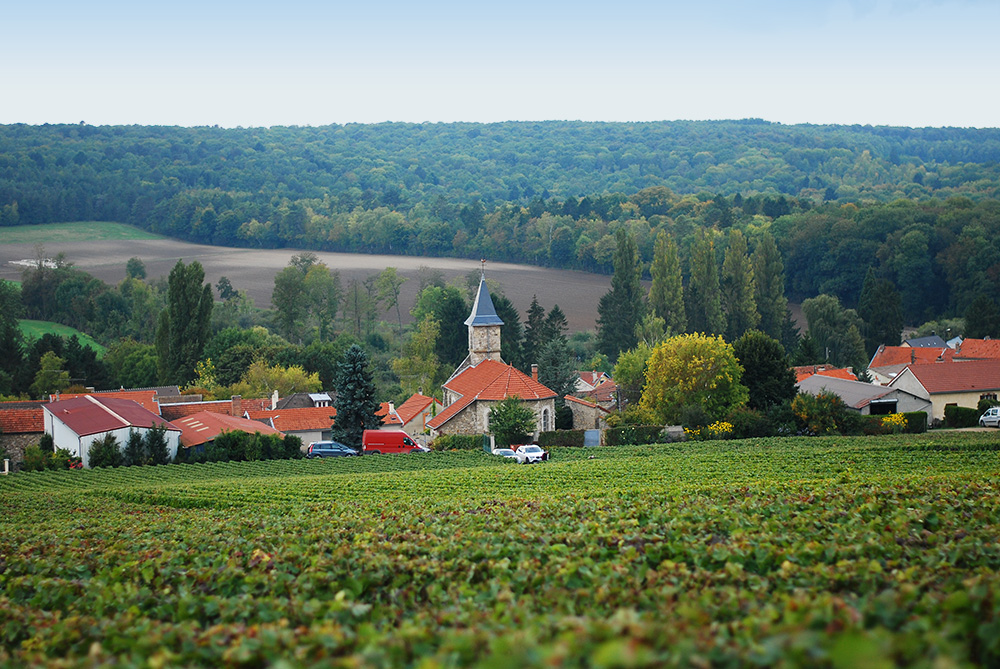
{"x":911,"y":63}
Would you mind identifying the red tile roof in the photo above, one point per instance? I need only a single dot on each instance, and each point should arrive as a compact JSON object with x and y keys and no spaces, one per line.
{"x":205,"y":426}
{"x":412,"y":407}
{"x":174,"y":411}
{"x":605,"y":392}
{"x":388,"y":417}
{"x":21,"y":417}
{"x":804,"y":372}
{"x":296,"y":420}
{"x":93,"y":414}
{"x":887,"y":356}
{"x":144,"y":398}
{"x":958,"y":377}
{"x":489,"y":380}
{"x":577,"y":400}
{"x":979,"y":349}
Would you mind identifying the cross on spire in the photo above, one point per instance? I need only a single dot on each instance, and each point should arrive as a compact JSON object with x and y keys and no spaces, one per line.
{"x":483,"y":273}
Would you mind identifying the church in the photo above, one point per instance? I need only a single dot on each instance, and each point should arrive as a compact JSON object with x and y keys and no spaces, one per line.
{"x":483,"y":379}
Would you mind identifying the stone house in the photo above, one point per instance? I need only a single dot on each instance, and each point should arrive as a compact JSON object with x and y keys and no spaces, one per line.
{"x":22,"y":424}
{"x":483,"y":379}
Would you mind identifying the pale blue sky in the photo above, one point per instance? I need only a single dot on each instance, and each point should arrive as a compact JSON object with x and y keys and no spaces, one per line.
{"x":879,"y":62}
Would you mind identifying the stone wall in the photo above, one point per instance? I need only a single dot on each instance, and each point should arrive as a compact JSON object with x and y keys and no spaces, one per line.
{"x":13,"y":446}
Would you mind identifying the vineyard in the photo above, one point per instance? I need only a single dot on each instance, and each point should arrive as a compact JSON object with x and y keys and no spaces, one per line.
{"x":836,"y":552}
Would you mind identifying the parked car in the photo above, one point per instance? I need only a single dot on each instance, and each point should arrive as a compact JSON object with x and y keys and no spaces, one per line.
{"x":506,"y":453}
{"x":991,"y":418}
{"x":376,"y":442}
{"x":329,"y":449}
{"x":530,"y":453}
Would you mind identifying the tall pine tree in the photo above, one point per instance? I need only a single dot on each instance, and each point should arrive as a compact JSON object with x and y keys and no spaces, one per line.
{"x":666,"y":295}
{"x":738,"y":288}
{"x":355,"y":404}
{"x":704,"y":305}
{"x":534,"y":333}
{"x":622,"y":307}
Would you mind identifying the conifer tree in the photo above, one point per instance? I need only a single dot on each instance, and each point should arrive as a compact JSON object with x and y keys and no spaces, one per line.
{"x":666,"y":295}
{"x":534,"y":332}
{"x":704,"y":306}
{"x":622,"y":307}
{"x":355,"y":404}
{"x":738,"y":288}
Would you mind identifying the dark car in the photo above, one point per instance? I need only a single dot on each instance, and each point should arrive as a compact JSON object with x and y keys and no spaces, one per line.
{"x":329,"y":449}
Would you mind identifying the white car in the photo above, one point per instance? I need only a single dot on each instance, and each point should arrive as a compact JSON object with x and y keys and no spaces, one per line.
{"x":530,"y":453}
{"x":505,"y":452}
{"x":991,"y":418}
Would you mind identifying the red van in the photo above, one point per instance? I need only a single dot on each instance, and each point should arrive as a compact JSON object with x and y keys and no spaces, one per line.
{"x":375,"y":442}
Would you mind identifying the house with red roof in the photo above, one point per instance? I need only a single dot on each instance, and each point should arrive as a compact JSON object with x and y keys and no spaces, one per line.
{"x":604,"y":395}
{"x":958,"y":383}
{"x":147,"y":399}
{"x":199,"y":429}
{"x":22,"y":424}
{"x":390,"y":418}
{"x":978,"y":349}
{"x":483,"y":379}
{"x":235,"y":406}
{"x":307,"y":423}
{"x":803,"y":372}
{"x":77,"y":423}
{"x":587,"y":415}
{"x":889,"y":361}
{"x":416,"y":411}
{"x":587,"y":381}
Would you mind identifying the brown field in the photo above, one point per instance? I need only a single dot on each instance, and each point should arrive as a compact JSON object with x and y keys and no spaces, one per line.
{"x":253,"y":271}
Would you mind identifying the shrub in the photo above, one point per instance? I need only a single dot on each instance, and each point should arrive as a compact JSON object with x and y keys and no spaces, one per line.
{"x":821,"y":414}
{"x":986,"y":403}
{"x":35,"y":460}
{"x":105,"y":452}
{"x":749,"y":423}
{"x":459,"y":442}
{"x":561,"y":438}
{"x":47,"y":443}
{"x":634,"y":434}
{"x":956,"y":416}
{"x":894,"y":423}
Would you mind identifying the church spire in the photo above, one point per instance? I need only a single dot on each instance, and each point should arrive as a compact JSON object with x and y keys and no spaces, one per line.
{"x":484,"y":325}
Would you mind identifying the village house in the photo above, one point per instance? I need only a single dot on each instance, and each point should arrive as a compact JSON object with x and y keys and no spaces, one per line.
{"x":483,"y":379}
{"x":77,"y":423}
{"x":198,"y":430}
{"x":22,"y":424}
{"x":959,"y":383}
{"x":866,"y":398}
{"x":416,"y":411}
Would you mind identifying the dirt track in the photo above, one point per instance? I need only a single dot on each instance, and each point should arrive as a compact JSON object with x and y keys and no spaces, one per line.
{"x":253,"y":270}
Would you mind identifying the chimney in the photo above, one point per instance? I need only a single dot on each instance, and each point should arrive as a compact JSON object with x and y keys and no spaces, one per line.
{"x":913,"y":356}
{"x":274,"y":399}
{"x":534,"y":372}
{"x":392,"y":407}
{"x":237,"y":405}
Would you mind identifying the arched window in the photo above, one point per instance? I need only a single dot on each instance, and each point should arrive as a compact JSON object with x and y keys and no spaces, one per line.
{"x":545,"y":420}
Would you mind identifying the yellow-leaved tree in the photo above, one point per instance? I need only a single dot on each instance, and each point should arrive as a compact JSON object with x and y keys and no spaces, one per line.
{"x":692,"y":369}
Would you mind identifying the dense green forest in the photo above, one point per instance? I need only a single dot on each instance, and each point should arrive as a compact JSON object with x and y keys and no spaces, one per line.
{"x":918,"y":207}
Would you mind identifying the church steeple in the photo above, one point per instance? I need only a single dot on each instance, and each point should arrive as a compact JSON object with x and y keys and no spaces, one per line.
{"x":484,"y":326}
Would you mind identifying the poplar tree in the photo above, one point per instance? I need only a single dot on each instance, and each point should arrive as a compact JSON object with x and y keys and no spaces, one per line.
{"x":666,"y":295}
{"x":622,"y":307}
{"x":881,"y":309}
{"x":534,"y":332}
{"x":704,"y":306}
{"x":185,"y":324}
{"x":769,"y":289}
{"x":737,"y":288}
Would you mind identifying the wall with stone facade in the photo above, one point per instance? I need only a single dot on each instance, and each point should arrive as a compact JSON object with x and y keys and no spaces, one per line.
{"x":13,"y":445}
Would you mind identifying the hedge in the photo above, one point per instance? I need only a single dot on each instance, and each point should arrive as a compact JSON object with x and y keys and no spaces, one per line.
{"x":956,"y":416}
{"x":916,"y":422}
{"x":459,"y":442}
{"x":561,"y":438}
{"x":634,"y":434}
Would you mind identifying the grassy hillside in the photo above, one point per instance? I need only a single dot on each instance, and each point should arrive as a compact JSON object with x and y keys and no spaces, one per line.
{"x":35,"y":329}
{"x":806,"y":552}
{"x":91,"y":231}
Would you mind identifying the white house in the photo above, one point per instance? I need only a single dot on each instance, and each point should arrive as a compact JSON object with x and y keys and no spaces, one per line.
{"x":77,"y":423}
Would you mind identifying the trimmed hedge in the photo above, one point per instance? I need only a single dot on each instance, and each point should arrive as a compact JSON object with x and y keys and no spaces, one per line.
{"x":634,"y":434}
{"x":916,"y":422}
{"x":956,"y":416}
{"x":561,"y":438}
{"x":458,"y":442}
